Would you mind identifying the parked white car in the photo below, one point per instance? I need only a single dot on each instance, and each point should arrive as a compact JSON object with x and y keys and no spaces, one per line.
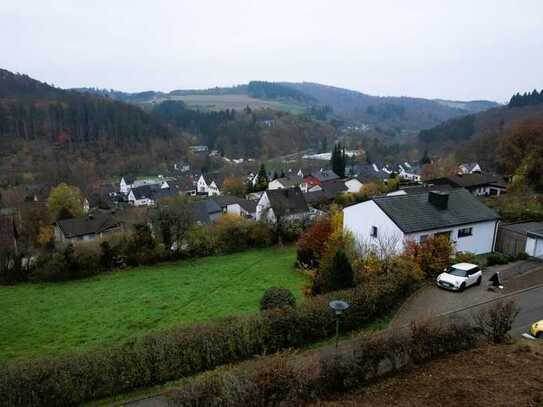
{"x":460,"y":276}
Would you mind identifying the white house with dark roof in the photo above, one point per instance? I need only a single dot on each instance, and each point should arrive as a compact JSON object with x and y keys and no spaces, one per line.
{"x":393,"y":220}
{"x":288,"y":204}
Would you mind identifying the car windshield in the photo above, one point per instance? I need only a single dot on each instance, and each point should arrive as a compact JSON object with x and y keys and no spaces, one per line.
{"x":456,"y":272}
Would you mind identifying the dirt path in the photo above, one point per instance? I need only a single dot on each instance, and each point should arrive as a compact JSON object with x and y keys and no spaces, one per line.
{"x":492,"y":376}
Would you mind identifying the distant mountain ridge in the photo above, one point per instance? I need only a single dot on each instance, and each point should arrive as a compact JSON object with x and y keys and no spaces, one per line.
{"x":407,"y":113}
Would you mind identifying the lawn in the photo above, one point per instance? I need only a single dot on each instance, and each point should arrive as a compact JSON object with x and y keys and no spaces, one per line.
{"x":39,"y":319}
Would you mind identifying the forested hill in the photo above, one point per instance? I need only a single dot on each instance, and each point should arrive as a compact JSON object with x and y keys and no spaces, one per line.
{"x":33,"y":110}
{"x":475,"y":137}
{"x":397,"y":113}
{"x":53,"y":135}
{"x":400,"y":112}
{"x":495,"y":120}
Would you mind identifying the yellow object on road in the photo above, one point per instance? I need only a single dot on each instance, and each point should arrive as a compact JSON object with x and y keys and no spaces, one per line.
{"x":537,"y":329}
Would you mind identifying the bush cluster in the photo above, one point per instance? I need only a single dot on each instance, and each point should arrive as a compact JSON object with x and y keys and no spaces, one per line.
{"x":432,"y":255}
{"x":276,"y":297}
{"x":229,"y":234}
{"x":158,"y":358}
{"x":280,"y":381}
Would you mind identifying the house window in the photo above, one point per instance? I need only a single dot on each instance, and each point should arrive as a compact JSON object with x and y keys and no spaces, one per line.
{"x":465,"y":232}
{"x":423,"y":238}
{"x":374,"y":231}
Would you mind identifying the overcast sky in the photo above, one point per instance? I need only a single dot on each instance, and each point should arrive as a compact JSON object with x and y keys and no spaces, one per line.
{"x":461,"y":49}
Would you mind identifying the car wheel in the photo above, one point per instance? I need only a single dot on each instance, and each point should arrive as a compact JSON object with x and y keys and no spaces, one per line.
{"x":462,"y":287}
{"x":478,"y":282}
{"x":539,"y":335}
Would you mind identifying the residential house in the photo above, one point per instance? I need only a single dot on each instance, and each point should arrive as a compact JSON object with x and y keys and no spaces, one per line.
{"x":126,"y":183}
{"x":183,"y":185}
{"x":209,"y":185}
{"x":469,"y":168}
{"x":316,"y":177}
{"x":288,"y":181}
{"x":87,"y":228}
{"x":181,"y":166}
{"x":354,"y":185}
{"x":147,"y":195}
{"x":286,"y":204}
{"x":477,"y":184}
{"x":204,"y":211}
{"x":199,"y":149}
{"x":393,"y":220}
{"x":236,"y":206}
{"x":520,"y":237}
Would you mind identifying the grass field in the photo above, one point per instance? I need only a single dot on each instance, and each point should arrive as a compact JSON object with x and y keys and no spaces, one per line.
{"x":39,"y":319}
{"x":235,"y":101}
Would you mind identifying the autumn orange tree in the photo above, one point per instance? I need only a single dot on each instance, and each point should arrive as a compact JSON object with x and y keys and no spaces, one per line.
{"x":432,"y":255}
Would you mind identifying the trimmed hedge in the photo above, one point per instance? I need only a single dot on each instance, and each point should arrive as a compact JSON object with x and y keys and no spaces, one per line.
{"x":158,"y":358}
{"x":285,"y":379}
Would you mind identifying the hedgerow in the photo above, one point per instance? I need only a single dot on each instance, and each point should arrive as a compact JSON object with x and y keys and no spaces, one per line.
{"x":287,"y":379}
{"x":154,"y":359}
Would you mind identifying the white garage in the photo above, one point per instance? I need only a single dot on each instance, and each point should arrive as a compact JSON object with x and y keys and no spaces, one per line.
{"x":534,"y":244}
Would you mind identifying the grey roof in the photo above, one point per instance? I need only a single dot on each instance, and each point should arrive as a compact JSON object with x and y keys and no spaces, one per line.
{"x":201,"y":211}
{"x":145,"y":191}
{"x":324,"y":175}
{"x":522,"y":228}
{"x":129,"y":179}
{"x":537,"y":234}
{"x":224,"y":200}
{"x":420,"y":189}
{"x":414,"y":213}
{"x":334,"y":187}
{"x":316,"y":197}
{"x":290,"y":201}
{"x":290,"y":181}
{"x":469,"y":180}
{"x":88,"y":225}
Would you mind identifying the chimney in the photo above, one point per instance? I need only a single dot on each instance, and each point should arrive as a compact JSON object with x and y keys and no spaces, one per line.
{"x":439,"y":199}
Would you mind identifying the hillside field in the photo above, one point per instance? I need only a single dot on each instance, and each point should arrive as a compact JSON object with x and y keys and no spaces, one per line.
{"x":40,"y":319}
{"x":234,"y":101}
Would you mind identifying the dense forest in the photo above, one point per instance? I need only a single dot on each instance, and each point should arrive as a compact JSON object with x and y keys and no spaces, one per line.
{"x":526,"y":99}
{"x":273,"y":90}
{"x":32,"y":110}
{"x":249,"y":133}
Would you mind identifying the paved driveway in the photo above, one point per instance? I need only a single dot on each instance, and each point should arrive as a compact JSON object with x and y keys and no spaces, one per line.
{"x":432,"y":301}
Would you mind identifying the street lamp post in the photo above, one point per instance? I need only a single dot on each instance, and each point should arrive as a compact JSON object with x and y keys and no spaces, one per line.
{"x":338,"y":306}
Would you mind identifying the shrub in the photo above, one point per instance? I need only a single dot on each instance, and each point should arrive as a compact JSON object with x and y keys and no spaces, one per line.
{"x":466,"y":257}
{"x":276,"y":297}
{"x":232,"y":233}
{"x":312,"y":242}
{"x":339,"y":275}
{"x":260,"y":234}
{"x":432,"y":255}
{"x":496,"y":258}
{"x":284,"y":380}
{"x":157,"y":358}
{"x":201,"y":241}
{"x":522,"y":256}
{"x":496,"y":321}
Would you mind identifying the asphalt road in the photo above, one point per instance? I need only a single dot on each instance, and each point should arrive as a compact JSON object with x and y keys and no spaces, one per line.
{"x":531,"y":309}
{"x":529,"y":301}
